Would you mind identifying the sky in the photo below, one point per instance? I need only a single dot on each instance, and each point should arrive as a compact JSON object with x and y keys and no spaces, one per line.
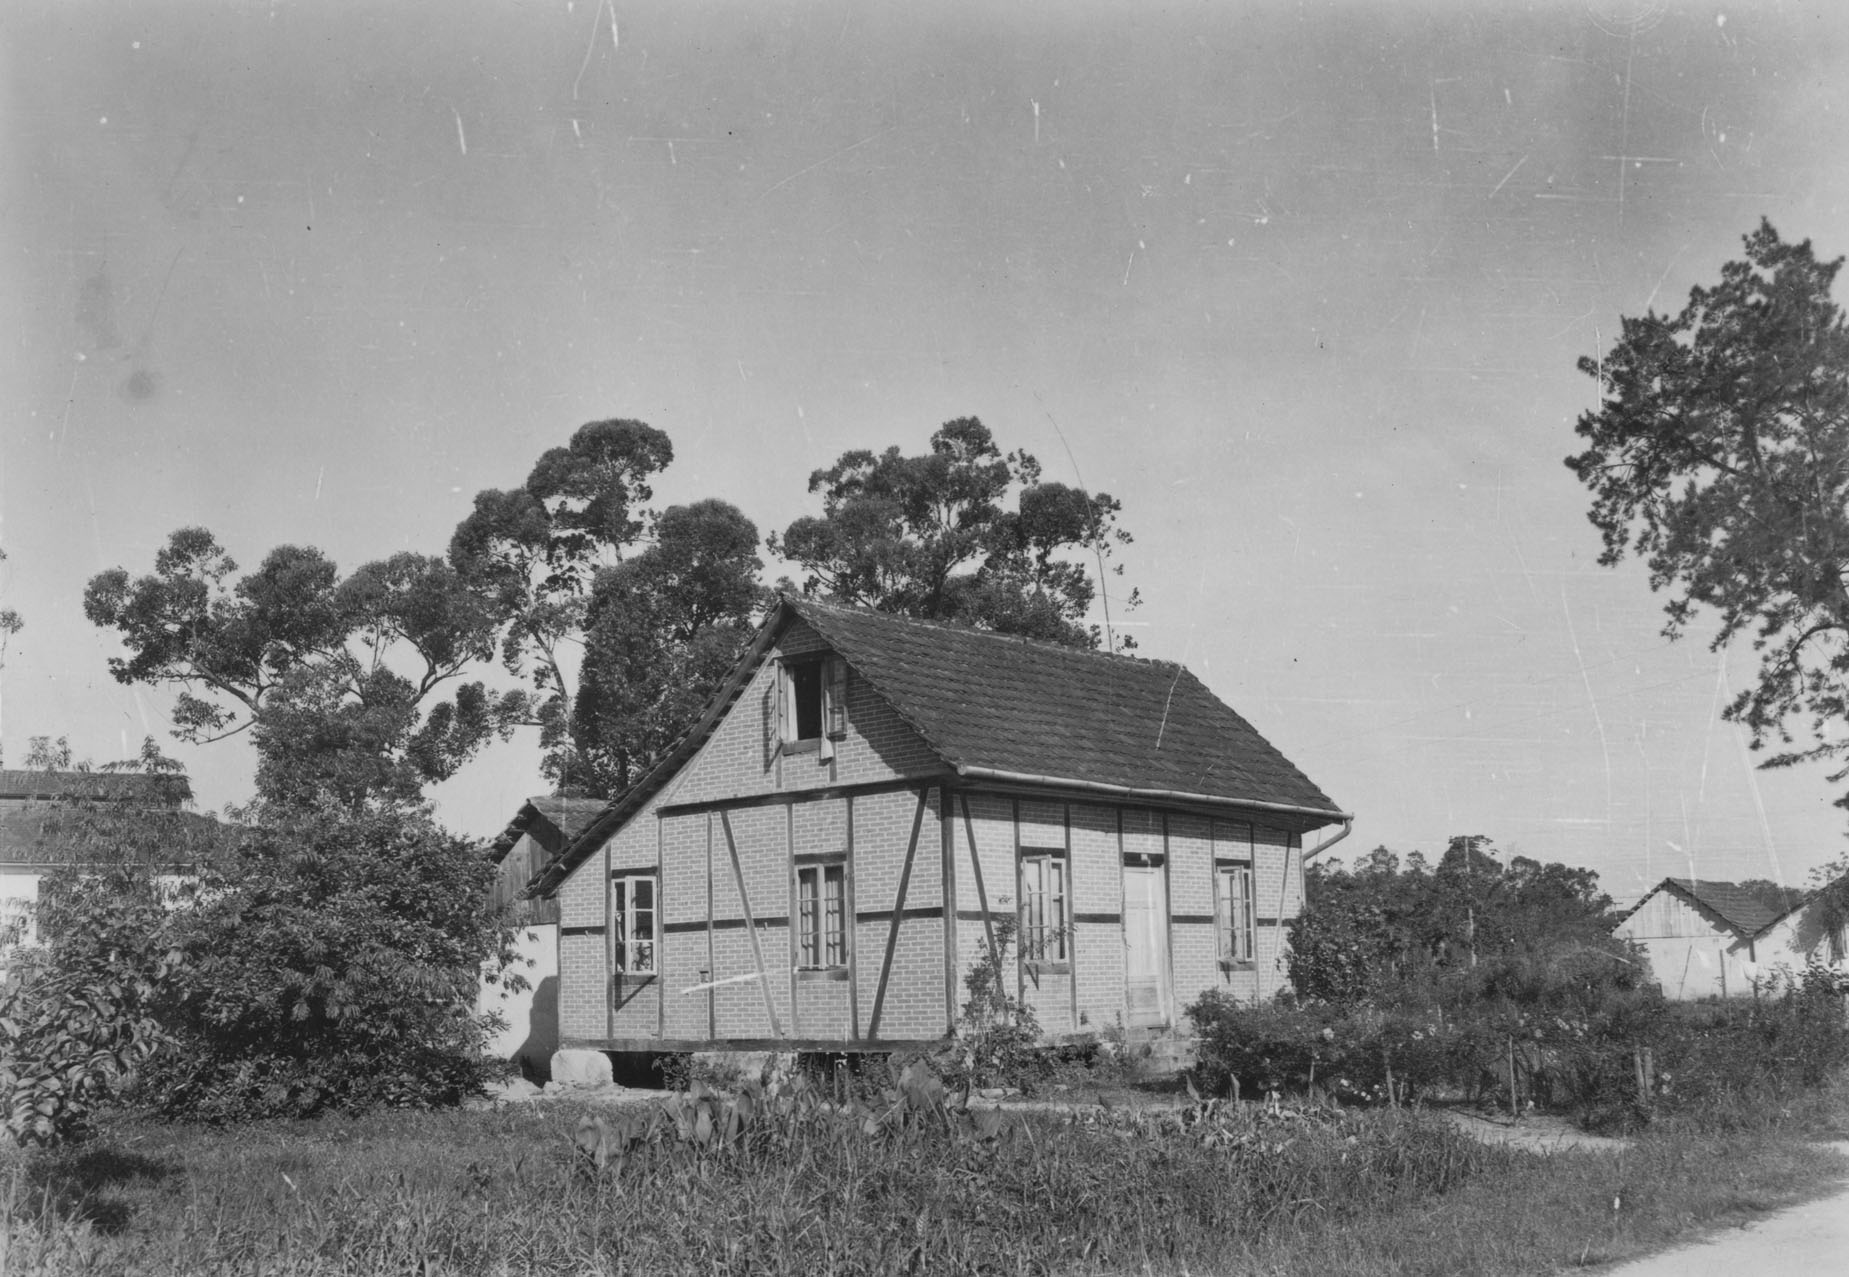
{"x":1303,"y":285}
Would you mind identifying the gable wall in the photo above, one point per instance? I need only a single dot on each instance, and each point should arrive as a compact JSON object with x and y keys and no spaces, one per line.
{"x":1796,"y":940}
{"x":1689,"y":955}
{"x":741,"y":758}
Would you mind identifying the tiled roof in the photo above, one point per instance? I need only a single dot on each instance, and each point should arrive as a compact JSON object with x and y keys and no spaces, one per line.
{"x":18,"y":783}
{"x":992,"y":703}
{"x":988,"y":702}
{"x":569,"y":815}
{"x":1731,"y":903}
{"x":51,"y":833}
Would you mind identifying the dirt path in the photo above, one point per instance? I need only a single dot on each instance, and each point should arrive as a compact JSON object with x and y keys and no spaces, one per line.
{"x":1808,"y":1239}
{"x":1538,"y":1133}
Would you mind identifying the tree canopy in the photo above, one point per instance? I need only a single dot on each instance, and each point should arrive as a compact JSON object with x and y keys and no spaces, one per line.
{"x":535,"y":552}
{"x":1719,"y":454}
{"x":1386,"y":930}
{"x":933,"y":536}
{"x":337,"y":679}
{"x":664,"y":629}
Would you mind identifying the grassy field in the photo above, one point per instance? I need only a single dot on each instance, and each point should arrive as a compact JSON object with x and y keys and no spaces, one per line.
{"x":800,"y":1189}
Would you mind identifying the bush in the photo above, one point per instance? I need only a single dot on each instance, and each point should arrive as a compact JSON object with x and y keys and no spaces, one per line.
{"x":81,"y":1016}
{"x":997,"y":1040}
{"x":332,"y":964}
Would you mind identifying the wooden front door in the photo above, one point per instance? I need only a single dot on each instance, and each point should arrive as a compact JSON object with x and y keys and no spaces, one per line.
{"x":1145,"y":946}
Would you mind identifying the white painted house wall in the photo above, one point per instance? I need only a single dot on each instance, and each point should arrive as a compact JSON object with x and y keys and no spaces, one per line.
{"x":1804,"y":935}
{"x":1690,"y":956}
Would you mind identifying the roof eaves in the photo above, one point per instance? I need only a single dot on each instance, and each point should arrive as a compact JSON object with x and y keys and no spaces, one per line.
{"x":1329,"y":815}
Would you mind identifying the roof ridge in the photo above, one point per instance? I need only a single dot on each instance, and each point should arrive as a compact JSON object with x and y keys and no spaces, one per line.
{"x":956,"y":627}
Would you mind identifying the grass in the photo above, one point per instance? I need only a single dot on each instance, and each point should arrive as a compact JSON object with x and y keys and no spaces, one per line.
{"x":808,"y":1191}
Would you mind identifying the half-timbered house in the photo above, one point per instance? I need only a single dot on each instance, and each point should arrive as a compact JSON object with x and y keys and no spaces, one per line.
{"x":821,"y":860}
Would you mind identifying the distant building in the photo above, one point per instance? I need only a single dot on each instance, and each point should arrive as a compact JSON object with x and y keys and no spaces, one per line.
{"x":43,"y":826}
{"x":1702,"y":937}
{"x":536,"y":836}
{"x":1811,"y":932}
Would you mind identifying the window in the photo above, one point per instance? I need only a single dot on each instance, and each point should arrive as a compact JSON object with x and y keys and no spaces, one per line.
{"x":821,"y":910}
{"x":1043,"y":906}
{"x":1232,"y":900}
{"x":632,"y":921}
{"x":812,"y":703}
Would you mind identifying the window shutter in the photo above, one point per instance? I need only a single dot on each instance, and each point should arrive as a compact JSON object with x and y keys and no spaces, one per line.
{"x":778,"y":695}
{"x":835,"y":720}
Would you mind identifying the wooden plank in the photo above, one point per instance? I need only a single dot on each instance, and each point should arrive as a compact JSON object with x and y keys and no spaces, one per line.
{"x":982,"y":895}
{"x":947,"y":849}
{"x":757,"y":947}
{"x":849,"y":927}
{"x":834,"y":1046}
{"x":898,"y":910}
{"x":823,"y":794}
{"x":795,"y":928}
{"x":1072,"y":938}
{"x":712,"y":1005}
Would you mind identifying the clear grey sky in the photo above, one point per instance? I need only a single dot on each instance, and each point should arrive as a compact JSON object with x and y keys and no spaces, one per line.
{"x":1302,"y":284}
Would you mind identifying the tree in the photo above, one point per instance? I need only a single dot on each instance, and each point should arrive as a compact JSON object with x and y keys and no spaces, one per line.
{"x":535,"y":551}
{"x":1719,"y":454}
{"x":663,"y":631}
{"x":932,"y":536}
{"x":332,"y":676}
{"x":1471,"y":928}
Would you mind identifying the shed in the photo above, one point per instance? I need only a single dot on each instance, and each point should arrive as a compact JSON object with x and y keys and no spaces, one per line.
{"x":536,"y":836}
{"x":1699,"y":934}
{"x":821,"y":860}
{"x":1811,"y":932}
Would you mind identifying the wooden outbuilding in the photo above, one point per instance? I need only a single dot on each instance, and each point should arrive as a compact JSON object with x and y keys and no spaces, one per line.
{"x":821,"y":860}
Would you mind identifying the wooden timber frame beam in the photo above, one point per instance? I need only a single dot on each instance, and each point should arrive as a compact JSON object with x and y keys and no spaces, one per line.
{"x":898,"y":917}
{"x":751,"y":926}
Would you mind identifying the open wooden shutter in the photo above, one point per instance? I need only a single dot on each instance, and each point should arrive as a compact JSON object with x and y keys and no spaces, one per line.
{"x":778,"y":695}
{"x":834,"y":713}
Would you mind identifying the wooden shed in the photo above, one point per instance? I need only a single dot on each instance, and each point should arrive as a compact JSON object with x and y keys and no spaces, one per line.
{"x":1700,"y":936}
{"x":821,"y":860}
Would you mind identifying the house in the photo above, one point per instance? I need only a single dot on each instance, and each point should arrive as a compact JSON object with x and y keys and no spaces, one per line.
{"x":825,"y":855}
{"x":1701,"y":936}
{"x":42,"y":827}
{"x":541,"y":830}
{"x":1811,"y":932}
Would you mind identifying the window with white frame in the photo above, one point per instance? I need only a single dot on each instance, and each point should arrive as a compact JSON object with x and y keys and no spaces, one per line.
{"x":821,"y":916}
{"x":1233,"y":921}
{"x":632,"y":921}
{"x":1043,"y":906}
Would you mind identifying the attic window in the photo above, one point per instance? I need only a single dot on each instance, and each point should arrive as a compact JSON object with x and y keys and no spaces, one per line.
{"x":812,"y":703}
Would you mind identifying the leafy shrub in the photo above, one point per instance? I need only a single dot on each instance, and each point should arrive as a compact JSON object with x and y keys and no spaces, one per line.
{"x":77,"y":1017}
{"x":81,"y":1015}
{"x":332,"y":963}
{"x":997,"y":1039}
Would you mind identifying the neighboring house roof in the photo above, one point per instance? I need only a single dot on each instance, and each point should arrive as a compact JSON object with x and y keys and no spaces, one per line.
{"x":1726,"y":902}
{"x":996,"y":707}
{"x":56,"y":833}
{"x":158,"y":790}
{"x":569,"y":816}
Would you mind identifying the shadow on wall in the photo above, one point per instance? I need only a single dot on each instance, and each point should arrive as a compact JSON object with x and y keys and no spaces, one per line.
{"x":542,"y":1039}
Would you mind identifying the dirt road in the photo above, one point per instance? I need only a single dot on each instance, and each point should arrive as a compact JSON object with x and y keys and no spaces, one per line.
{"x":1805,"y":1240}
